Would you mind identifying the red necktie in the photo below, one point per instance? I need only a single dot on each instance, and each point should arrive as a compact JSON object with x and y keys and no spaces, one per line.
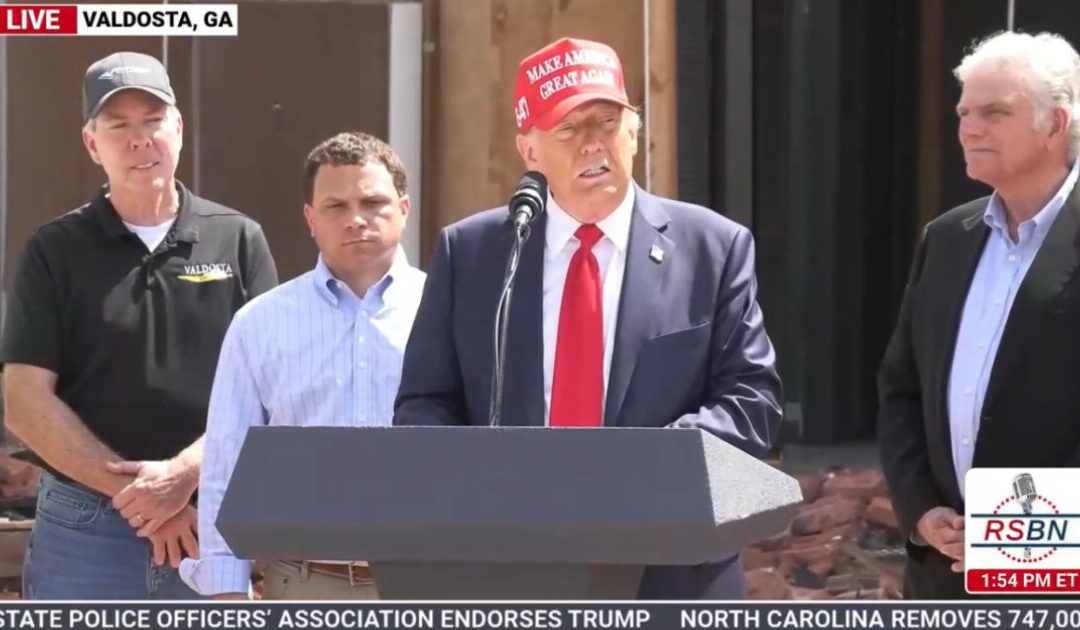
{"x":577,"y":388}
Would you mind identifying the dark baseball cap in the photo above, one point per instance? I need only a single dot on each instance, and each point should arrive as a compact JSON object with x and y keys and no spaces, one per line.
{"x":124,"y":71}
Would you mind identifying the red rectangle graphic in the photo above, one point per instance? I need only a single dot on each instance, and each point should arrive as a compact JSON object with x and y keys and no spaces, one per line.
{"x":1023,"y":580}
{"x":29,"y":19}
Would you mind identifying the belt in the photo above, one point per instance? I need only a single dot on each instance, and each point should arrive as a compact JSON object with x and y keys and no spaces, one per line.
{"x":356,"y":574}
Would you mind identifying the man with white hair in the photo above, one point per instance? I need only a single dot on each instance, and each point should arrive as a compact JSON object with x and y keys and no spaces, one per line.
{"x":977,"y":373}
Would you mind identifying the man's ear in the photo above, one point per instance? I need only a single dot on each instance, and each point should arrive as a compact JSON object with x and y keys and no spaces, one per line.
{"x":91,"y":146}
{"x":309,"y":219}
{"x":1059,"y":125}
{"x":180,"y":128}
{"x":526,"y":148}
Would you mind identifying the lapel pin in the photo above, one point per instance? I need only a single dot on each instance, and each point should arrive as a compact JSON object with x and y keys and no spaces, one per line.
{"x":656,"y":254}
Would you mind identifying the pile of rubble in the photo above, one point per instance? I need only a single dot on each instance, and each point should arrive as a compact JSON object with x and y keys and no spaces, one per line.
{"x":18,"y":489}
{"x":843,"y":543}
{"x":18,"y":479}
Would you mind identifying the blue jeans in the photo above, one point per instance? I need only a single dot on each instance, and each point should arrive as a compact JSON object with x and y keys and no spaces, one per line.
{"x":81,"y":548}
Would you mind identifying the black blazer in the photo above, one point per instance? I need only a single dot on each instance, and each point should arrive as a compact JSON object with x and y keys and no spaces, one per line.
{"x":1031,"y":413}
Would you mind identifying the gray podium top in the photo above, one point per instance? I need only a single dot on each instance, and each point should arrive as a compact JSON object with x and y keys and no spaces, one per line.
{"x":508,"y":494}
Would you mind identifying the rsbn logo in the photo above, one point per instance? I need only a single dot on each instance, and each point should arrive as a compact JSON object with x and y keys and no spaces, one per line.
{"x":1025,"y":527}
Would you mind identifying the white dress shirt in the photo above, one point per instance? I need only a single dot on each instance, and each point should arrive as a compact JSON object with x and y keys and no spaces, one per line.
{"x":990,"y":297}
{"x":610,"y":251}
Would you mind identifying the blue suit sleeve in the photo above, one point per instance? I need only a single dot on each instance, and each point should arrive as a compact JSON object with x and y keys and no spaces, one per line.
{"x":743,"y":405}
{"x":431,"y":391}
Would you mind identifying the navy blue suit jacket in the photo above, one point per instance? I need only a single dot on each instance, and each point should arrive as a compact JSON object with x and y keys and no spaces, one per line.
{"x":690,"y":344}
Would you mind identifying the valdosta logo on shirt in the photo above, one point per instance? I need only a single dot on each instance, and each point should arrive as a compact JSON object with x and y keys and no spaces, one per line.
{"x":206,"y":273}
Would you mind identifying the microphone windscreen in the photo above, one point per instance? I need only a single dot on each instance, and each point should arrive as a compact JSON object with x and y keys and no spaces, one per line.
{"x":1023,"y":486}
{"x":534,"y":180}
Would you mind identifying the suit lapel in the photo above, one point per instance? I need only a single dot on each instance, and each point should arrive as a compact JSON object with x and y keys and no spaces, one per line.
{"x":642,"y":284}
{"x":523,"y":391}
{"x":954,"y":282}
{"x":1050,"y":271}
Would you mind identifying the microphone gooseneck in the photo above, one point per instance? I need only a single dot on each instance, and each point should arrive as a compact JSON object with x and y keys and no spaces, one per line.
{"x":526,"y":205}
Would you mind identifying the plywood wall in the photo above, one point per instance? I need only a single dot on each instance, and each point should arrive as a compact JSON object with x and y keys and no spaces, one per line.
{"x":253,"y":107}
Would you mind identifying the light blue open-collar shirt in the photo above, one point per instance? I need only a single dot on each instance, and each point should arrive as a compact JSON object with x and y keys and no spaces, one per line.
{"x":990,"y":297}
{"x":307,"y":353}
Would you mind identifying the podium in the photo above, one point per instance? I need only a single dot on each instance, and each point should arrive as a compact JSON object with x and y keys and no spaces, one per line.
{"x":500,"y":513}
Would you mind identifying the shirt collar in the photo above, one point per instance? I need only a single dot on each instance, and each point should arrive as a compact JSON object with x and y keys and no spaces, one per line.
{"x":994,"y":215}
{"x":333,"y":290}
{"x":615,"y":226}
{"x":395,"y":279}
{"x":185,"y":228}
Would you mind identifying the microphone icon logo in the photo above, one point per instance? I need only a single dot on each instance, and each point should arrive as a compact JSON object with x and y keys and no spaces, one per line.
{"x":1021,"y":531}
{"x":1023,"y":486}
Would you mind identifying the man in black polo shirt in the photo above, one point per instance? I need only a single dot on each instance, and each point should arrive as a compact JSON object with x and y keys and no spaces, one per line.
{"x":110,"y":343}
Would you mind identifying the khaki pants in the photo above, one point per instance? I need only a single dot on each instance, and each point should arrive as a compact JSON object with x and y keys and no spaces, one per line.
{"x":284,"y":581}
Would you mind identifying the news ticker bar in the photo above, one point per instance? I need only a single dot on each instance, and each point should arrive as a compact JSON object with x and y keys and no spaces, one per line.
{"x":542,"y":615}
{"x":118,"y":19}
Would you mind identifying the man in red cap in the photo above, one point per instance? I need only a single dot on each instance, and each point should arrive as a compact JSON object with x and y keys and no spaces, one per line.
{"x":629,"y":310}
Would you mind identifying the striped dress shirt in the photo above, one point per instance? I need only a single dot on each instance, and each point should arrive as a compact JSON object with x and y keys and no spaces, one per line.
{"x":308,"y":353}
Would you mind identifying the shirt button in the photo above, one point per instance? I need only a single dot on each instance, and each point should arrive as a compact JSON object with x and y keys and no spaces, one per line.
{"x":982,"y":346}
{"x":1012,"y":257}
{"x":968,"y":391}
{"x":965,"y":442}
{"x":360,"y":339}
{"x":340,"y":382}
{"x":363,"y":365}
{"x":339,"y":284}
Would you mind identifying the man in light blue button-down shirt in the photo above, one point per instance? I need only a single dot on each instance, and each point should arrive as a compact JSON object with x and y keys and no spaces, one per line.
{"x":980,"y":371}
{"x":323,"y":349}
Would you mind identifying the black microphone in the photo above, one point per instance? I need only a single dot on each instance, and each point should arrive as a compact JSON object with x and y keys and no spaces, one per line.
{"x":526,"y":205}
{"x":529,"y":199}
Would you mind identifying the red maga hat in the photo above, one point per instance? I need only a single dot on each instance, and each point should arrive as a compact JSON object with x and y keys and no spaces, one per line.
{"x":562,"y":75}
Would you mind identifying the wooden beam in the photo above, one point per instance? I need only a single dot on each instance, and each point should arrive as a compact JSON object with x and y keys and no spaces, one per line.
{"x":464,"y":109}
{"x":430,"y":222}
{"x":662,"y":110}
